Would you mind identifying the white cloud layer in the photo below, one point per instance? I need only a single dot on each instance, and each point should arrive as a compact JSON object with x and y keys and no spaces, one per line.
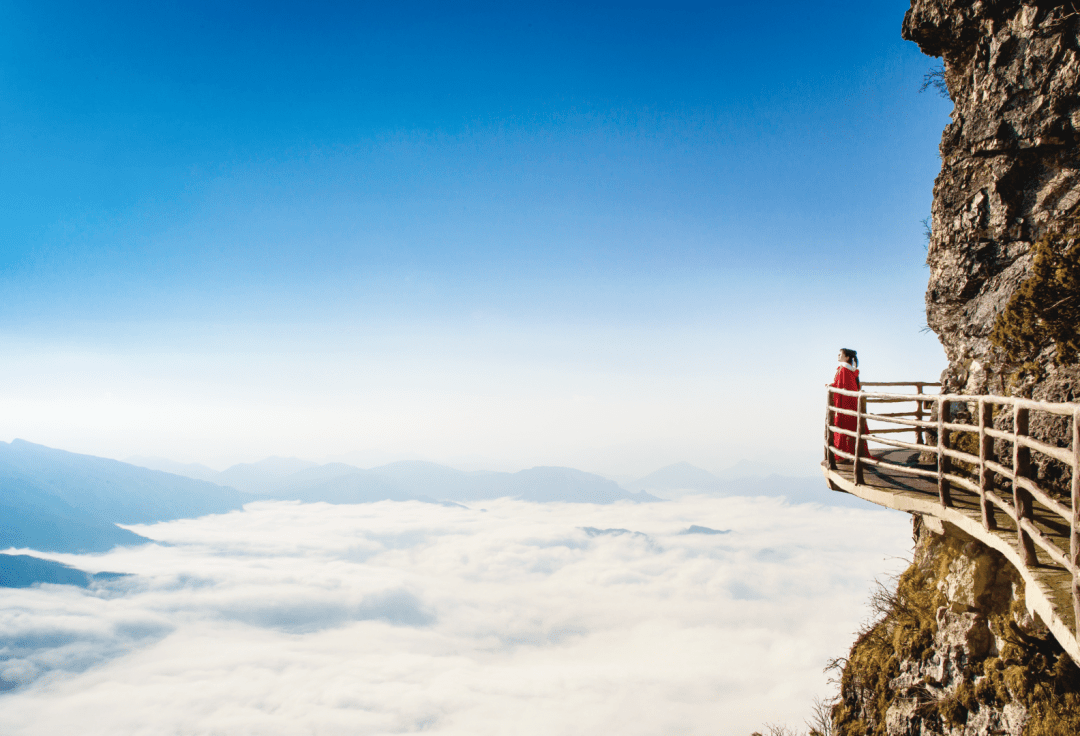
{"x":405,"y":617}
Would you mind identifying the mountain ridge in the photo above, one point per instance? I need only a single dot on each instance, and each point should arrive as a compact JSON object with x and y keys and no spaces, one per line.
{"x":53,"y":500}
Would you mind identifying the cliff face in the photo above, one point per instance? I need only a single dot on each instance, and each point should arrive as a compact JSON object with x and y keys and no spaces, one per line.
{"x":1010,"y":177}
{"x":955,"y":653}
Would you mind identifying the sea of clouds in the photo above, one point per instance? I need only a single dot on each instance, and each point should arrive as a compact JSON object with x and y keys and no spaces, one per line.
{"x":514,"y":618}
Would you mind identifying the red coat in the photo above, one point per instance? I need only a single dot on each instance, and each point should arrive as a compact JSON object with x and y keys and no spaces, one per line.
{"x":847,"y":379}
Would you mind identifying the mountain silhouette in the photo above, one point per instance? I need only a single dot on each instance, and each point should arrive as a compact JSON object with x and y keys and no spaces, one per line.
{"x":299,"y":480}
{"x":57,"y":501}
{"x":60,"y":501}
{"x":188,"y":470}
{"x":259,"y":477}
{"x":22,"y":571}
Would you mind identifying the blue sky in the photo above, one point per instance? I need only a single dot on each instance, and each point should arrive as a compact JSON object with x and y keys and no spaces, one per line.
{"x":582,"y":234}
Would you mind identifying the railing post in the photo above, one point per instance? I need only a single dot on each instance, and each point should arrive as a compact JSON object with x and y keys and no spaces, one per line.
{"x":830,"y":458}
{"x":1074,"y":541}
{"x":986,"y":444}
{"x":944,"y":493}
{"x":857,"y":470}
{"x":918,"y":416}
{"x":1021,"y":498}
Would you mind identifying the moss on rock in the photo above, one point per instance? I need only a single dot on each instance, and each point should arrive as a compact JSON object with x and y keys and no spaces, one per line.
{"x":1045,"y":310}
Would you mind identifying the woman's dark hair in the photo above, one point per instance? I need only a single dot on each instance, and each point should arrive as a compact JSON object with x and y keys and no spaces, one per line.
{"x":848,"y":352}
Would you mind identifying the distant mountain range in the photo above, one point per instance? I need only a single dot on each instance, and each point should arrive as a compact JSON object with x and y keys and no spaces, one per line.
{"x":294,"y":479}
{"x":300,"y":480}
{"x":58,"y":501}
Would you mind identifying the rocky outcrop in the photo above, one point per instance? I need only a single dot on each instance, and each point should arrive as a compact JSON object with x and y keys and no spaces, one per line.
{"x":955,"y":653}
{"x":1010,"y":178}
{"x":954,"y":650}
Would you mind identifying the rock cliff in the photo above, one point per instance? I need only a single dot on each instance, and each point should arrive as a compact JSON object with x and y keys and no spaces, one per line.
{"x":1009,"y":185}
{"x":954,"y":651}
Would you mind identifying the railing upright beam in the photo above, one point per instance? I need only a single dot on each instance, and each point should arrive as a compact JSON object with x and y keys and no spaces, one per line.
{"x":857,"y":469}
{"x":1021,"y":498}
{"x":986,"y":446}
{"x":830,"y":458}
{"x":1074,"y":541}
{"x":944,"y":492}
{"x":919,"y":415}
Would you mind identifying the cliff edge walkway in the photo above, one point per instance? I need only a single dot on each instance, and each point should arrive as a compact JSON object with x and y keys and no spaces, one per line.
{"x":950,"y":474}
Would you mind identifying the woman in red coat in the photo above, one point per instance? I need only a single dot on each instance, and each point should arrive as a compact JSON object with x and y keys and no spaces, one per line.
{"x":847,"y":378}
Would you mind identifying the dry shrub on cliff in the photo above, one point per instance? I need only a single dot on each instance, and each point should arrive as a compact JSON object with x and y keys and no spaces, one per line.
{"x":820,"y":723}
{"x":935,"y":79}
{"x":773,"y":730}
{"x":1045,"y":310}
{"x":903,"y":631}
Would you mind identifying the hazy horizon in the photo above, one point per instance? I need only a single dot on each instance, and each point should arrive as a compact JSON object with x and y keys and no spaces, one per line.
{"x":365,"y":462}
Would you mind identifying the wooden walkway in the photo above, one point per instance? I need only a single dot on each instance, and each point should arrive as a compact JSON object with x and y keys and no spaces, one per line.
{"x":896,"y":479}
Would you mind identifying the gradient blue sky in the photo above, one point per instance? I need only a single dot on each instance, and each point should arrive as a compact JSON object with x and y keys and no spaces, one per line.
{"x":601,"y":235}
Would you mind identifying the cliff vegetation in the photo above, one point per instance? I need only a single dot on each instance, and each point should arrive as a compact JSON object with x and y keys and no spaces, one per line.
{"x":955,"y":652}
{"x":1043,"y":315}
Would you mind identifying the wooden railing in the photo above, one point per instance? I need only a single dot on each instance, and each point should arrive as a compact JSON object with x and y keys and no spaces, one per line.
{"x":1026,"y":492}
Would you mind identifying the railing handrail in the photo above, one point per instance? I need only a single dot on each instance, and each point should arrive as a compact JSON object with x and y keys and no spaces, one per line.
{"x":1026,"y":491}
{"x":1061,"y":408}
